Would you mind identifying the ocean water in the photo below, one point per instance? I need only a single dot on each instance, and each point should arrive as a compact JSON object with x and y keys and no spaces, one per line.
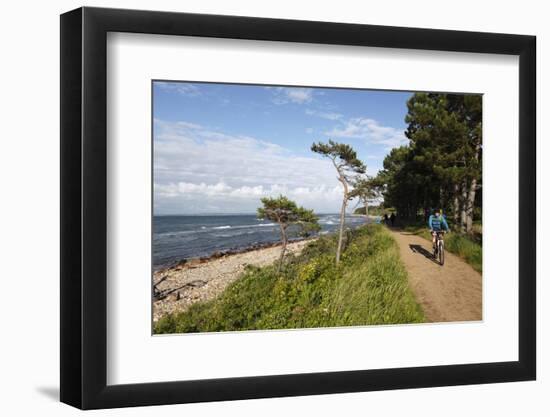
{"x":183,"y":237}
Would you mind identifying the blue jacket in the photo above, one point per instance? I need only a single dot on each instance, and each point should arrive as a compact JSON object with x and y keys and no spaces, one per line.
{"x":438,"y":223}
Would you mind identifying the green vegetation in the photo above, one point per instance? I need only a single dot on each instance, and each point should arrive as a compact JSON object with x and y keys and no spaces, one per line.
{"x":441,"y":166}
{"x":369,"y":286}
{"x":365,"y":189}
{"x":286,"y":213}
{"x":374,"y":210}
{"x":468,"y":247}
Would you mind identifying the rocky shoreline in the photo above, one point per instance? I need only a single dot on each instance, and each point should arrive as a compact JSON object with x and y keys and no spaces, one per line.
{"x":193,"y":262}
{"x":178,"y":287}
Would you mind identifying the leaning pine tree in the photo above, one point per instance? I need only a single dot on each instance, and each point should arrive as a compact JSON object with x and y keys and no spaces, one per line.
{"x":285,"y":213}
{"x":347,"y":165}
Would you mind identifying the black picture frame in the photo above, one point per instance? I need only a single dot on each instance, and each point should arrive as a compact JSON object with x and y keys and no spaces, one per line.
{"x":84,"y":207}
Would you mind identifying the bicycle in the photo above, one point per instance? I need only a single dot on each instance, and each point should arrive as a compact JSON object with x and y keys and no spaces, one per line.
{"x":439,"y":247}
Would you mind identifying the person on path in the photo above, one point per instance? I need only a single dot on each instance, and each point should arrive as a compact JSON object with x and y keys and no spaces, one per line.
{"x":437,"y":224}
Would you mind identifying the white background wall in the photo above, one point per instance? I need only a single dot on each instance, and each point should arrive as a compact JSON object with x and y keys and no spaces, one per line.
{"x":29,"y":212}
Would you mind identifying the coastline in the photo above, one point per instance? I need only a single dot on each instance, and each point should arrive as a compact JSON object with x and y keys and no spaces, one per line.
{"x":194,"y":261}
{"x":202,"y":279}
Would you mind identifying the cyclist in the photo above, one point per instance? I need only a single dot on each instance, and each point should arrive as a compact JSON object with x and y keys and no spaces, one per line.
{"x":437,"y":223}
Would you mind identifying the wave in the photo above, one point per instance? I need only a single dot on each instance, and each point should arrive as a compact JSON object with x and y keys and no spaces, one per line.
{"x":173,"y":234}
{"x":244,"y":226}
{"x":326,"y":221}
{"x":207,"y":229}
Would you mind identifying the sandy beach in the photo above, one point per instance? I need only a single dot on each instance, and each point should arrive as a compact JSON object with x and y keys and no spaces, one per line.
{"x":204,"y":279}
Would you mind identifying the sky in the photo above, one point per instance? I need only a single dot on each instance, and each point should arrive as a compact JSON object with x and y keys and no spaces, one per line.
{"x":219,"y":148}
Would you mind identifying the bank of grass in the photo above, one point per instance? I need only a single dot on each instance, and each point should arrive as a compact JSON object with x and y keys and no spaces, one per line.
{"x":467,"y":247}
{"x":369,"y":287}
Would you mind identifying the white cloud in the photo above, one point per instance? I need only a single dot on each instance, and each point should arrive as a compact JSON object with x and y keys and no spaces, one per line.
{"x":324,"y":115}
{"x":284,"y":95}
{"x":222,"y":190}
{"x":299,"y":95}
{"x":371,"y":131}
{"x":197,"y":169}
{"x":186,"y":89}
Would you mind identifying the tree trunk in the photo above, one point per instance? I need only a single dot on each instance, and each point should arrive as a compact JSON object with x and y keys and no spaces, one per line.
{"x":470,"y":206}
{"x":342,"y":225}
{"x":463,"y":202}
{"x":367,"y":209}
{"x":456,"y":205}
{"x":471,"y":196}
{"x":283,"y":248}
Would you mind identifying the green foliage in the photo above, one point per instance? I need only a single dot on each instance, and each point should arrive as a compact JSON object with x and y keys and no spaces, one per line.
{"x":368,"y":287}
{"x":308,"y":222}
{"x":441,"y":167}
{"x":286,"y":212}
{"x":365,"y":188}
{"x":465,"y":247}
{"x":342,"y":154}
{"x":373,"y":210}
{"x":280,"y":209}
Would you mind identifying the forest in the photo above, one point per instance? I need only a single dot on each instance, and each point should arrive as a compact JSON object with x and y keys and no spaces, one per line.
{"x":441,"y":166}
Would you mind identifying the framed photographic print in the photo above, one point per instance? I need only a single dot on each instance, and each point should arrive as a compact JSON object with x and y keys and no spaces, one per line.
{"x":258,"y":207}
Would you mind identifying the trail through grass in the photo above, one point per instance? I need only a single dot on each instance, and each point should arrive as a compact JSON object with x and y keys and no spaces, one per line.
{"x":370,"y":286}
{"x":468,"y":248}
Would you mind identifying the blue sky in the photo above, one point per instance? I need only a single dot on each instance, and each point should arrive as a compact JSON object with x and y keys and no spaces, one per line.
{"x":218,"y":148}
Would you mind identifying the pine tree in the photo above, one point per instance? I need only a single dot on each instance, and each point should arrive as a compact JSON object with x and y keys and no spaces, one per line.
{"x":347,"y":165}
{"x":365,"y":189}
{"x":441,"y":166}
{"x":285,"y":213}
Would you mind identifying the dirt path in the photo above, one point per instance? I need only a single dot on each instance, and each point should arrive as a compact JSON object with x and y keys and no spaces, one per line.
{"x":448,"y":293}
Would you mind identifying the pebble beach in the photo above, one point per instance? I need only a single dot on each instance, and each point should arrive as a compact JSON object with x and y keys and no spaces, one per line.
{"x":203,"y":279}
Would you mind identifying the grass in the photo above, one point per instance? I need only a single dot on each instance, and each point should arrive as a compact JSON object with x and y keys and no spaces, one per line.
{"x":467,"y":247}
{"x":370,"y":286}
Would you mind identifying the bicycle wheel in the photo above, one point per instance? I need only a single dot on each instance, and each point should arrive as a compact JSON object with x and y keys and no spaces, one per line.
{"x":441,"y":253}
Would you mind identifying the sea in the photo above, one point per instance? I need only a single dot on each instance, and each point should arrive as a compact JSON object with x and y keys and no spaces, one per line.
{"x":183,"y":237}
